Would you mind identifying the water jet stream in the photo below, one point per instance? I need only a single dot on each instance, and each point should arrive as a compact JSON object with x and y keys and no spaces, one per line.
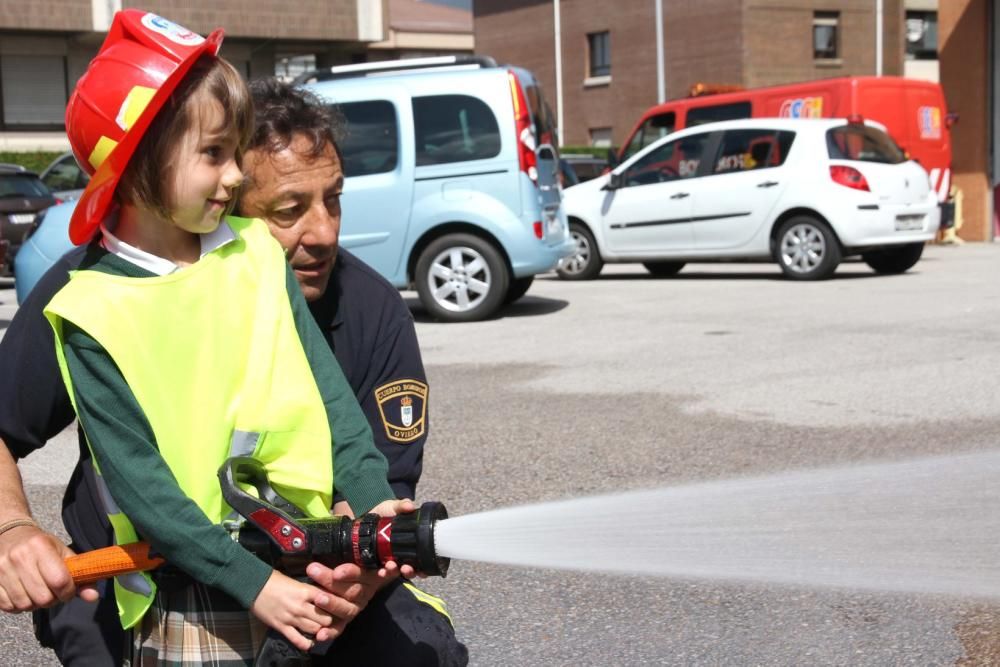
{"x":930,"y":525}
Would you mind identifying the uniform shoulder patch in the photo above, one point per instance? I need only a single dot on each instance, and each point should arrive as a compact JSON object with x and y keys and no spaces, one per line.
{"x":402,"y":405}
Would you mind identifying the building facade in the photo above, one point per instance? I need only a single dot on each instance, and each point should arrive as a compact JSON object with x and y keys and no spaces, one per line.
{"x":421,"y":29}
{"x":607,"y":70}
{"x":969,"y":58}
{"x":608,"y":51}
{"x":45,"y":47}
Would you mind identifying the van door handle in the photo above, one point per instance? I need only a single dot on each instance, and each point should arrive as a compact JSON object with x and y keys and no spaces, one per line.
{"x":767,"y":184}
{"x":680,"y":195}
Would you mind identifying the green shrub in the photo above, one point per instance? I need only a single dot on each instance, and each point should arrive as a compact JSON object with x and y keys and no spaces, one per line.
{"x":586,"y":150}
{"x":34,"y":160}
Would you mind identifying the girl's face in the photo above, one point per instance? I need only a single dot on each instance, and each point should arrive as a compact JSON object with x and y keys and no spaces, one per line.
{"x":205,"y":172}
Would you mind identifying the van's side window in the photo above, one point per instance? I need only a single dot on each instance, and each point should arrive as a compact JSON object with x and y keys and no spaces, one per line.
{"x":454,"y":128}
{"x":712,"y":114}
{"x":371,"y":143}
{"x":743,"y":150}
{"x":651,"y":129}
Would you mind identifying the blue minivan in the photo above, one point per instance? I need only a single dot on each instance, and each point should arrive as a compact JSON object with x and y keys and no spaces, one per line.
{"x":452,"y":182}
{"x":452,"y":178}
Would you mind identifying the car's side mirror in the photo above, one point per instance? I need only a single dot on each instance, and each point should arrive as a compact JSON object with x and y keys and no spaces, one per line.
{"x":615,"y":181}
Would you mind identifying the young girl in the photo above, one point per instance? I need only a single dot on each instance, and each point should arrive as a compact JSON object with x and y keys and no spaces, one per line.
{"x":184,"y":339}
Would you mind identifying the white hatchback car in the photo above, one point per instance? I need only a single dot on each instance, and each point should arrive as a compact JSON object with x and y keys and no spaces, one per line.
{"x":804,"y":193}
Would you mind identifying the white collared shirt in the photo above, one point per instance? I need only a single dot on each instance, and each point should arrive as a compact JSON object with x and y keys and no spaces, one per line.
{"x":159,"y":266}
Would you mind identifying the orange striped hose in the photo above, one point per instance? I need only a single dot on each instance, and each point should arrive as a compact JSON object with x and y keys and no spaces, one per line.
{"x":98,"y":564}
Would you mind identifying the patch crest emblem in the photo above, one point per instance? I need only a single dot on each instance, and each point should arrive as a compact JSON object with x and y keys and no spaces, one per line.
{"x":402,"y":405}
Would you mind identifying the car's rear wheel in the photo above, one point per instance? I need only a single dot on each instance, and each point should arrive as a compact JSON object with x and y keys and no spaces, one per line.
{"x":518,"y":288}
{"x":585,"y":263}
{"x":461,"y":278}
{"x":894,"y":259}
{"x":664,"y":269}
{"x":807,"y":249}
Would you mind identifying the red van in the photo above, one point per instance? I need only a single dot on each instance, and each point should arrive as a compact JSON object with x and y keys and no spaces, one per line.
{"x":914,"y":113}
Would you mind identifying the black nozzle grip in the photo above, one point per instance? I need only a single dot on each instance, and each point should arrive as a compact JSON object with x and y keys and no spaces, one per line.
{"x":413,"y":539}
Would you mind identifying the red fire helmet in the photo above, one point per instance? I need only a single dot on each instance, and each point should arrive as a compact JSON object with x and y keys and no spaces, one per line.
{"x":142,"y":61}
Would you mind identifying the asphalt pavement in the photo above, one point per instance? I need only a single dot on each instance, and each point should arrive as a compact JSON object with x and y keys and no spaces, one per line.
{"x":631,"y":382}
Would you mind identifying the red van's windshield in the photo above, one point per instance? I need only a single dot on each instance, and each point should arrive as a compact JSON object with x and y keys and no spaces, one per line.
{"x":651,"y":129}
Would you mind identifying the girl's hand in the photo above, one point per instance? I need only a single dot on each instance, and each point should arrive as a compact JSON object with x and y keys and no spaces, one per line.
{"x":394,"y":507}
{"x":294,"y":609}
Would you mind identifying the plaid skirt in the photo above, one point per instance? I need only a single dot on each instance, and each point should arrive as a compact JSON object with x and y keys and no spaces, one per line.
{"x":195,"y":625}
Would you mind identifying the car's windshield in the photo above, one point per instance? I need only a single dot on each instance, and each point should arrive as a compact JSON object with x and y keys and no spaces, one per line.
{"x":863,"y":143}
{"x":22,"y":185}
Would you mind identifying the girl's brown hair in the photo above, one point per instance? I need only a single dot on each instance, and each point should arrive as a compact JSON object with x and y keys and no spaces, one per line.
{"x":147,"y":177}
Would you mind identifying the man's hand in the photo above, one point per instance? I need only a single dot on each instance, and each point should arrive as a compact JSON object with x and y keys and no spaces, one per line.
{"x":349,"y":582}
{"x":33,"y":573}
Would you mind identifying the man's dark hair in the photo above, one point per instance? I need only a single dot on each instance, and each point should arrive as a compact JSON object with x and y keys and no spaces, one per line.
{"x":282,"y":111}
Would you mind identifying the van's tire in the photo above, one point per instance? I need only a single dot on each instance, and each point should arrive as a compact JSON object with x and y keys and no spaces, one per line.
{"x":461,"y":278}
{"x":585,"y":263}
{"x":664,"y":269}
{"x":806,"y":248}
{"x":894,"y":259}
{"x":518,"y":287}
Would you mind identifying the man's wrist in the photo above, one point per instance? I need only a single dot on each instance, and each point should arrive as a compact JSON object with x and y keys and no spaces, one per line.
{"x":17,"y":523}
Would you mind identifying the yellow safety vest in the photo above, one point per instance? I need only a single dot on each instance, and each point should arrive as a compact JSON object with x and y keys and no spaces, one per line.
{"x":214,"y":360}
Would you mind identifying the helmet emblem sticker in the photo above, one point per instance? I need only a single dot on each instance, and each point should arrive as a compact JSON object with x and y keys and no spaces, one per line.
{"x":171,"y":30}
{"x":402,"y":406}
{"x":135,"y":103}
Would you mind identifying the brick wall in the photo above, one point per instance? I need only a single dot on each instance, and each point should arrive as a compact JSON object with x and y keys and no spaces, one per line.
{"x":779,"y":40}
{"x":963,"y":46}
{"x":312,"y":19}
{"x":704,"y":43}
{"x":744,"y":42}
{"x":45,"y":15}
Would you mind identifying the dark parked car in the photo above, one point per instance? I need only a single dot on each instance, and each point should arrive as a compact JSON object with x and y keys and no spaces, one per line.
{"x":22,"y":197}
{"x":65,"y":178}
{"x":580,"y":167}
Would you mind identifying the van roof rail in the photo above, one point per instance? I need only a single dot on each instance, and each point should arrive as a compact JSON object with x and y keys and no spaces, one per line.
{"x":388,"y":66}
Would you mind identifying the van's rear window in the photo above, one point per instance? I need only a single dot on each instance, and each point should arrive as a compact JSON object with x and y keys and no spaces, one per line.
{"x":863,"y":143}
{"x":541,"y":114}
{"x":454,"y":128}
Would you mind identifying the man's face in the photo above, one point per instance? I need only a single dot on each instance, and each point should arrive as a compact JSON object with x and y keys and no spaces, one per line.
{"x":299,"y":198}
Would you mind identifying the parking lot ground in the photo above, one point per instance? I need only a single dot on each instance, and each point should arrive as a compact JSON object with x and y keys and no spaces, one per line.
{"x":726,"y":370}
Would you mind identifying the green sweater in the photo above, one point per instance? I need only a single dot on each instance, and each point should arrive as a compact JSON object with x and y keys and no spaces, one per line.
{"x":143,"y":485}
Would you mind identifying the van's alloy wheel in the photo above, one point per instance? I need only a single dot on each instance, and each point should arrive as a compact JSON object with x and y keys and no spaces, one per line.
{"x":461,"y":278}
{"x":807,"y":249}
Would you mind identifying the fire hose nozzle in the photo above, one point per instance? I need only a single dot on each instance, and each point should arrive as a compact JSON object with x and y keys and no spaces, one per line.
{"x":278,"y":532}
{"x":409,"y":539}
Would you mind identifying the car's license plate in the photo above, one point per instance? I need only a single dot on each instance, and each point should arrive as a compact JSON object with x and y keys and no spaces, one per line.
{"x":21,"y":218}
{"x":554,"y":227}
{"x":909,"y":223}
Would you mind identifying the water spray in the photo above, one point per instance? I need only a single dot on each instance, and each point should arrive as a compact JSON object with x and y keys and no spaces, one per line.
{"x":925,"y":526}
